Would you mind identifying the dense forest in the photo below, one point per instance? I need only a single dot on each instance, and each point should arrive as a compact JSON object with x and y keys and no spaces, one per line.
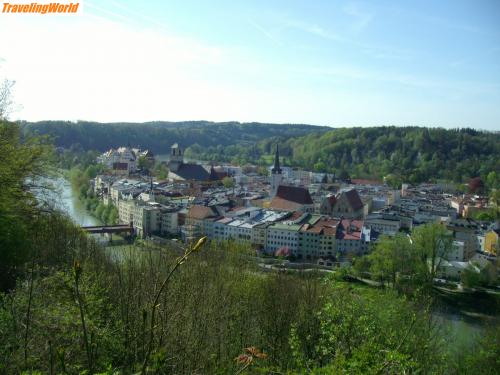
{"x":410,"y":154}
{"x":159,"y":136}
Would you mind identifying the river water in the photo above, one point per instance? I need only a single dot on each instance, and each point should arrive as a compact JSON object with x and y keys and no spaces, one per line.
{"x":70,"y":204}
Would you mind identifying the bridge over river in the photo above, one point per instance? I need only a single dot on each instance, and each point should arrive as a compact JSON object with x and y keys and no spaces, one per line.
{"x":110,"y":229}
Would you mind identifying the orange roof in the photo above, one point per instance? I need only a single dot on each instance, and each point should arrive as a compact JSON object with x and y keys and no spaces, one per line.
{"x":326,"y":226}
{"x":200,"y":212}
{"x":282,"y":204}
{"x":361,"y":181}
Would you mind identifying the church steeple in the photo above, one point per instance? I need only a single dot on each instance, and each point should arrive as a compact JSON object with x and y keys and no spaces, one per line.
{"x":276,"y":176}
{"x":276,"y":168}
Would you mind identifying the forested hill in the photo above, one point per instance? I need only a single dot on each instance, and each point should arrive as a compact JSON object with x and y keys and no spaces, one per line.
{"x":413,"y":154}
{"x":159,"y":136}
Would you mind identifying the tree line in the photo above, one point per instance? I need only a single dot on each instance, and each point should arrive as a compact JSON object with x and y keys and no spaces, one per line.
{"x":408,"y":154}
{"x":159,"y":136}
{"x":405,"y":154}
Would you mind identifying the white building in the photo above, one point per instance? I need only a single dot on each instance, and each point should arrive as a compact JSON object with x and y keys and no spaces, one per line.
{"x":126,"y":211}
{"x":283,"y":236}
{"x":122,"y":159}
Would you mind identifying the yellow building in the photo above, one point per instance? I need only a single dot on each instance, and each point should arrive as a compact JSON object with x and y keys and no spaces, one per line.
{"x":491,"y":241}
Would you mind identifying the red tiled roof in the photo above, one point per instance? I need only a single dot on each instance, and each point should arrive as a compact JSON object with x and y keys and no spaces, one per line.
{"x":295,"y":215}
{"x":326,"y":226}
{"x":294,"y":194}
{"x":358,"y":224}
{"x":282,"y":204}
{"x":351,"y":236}
{"x":200,"y":212}
{"x":291,"y":198}
{"x":354,"y":199}
{"x":361,"y":181}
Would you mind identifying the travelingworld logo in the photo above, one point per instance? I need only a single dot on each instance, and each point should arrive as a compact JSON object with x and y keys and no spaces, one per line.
{"x":41,"y":7}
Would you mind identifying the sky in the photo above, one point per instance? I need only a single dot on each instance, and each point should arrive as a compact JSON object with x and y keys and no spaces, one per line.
{"x":323,"y":62}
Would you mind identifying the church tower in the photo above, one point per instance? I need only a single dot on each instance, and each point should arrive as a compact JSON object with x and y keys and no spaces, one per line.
{"x":176,"y":158}
{"x":276,"y":175}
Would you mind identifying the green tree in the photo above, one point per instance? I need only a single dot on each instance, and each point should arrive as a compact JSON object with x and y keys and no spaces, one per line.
{"x":160,"y":171}
{"x":470,"y":277}
{"x":144,"y":163}
{"x":23,"y":165}
{"x":228,"y":182}
{"x":432,"y":243}
{"x":493,"y":180}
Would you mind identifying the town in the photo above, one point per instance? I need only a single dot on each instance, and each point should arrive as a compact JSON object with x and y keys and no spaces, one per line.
{"x":306,"y":217}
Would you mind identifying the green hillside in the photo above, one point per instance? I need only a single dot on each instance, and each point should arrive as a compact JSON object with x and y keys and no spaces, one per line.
{"x":413,"y":154}
{"x":159,"y":136}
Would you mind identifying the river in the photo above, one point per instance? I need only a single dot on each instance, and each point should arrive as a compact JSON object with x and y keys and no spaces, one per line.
{"x":70,"y":204}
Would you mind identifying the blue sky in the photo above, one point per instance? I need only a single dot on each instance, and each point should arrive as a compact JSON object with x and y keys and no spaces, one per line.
{"x":337,"y":63}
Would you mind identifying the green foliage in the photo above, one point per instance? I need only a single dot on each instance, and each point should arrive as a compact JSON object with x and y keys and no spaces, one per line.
{"x":159,"y":136}
{"x":23,"y":164}
{"x":484,"y":355}
{"x":366,"y":331}
{"x":408,"y":263}
{"x":408,"y":154}
{"x":228,"y":182}
{"x":473,"y":276}
{"x":144,"y":163}
{"x":108,"y":214}
{"x":160,"y":171}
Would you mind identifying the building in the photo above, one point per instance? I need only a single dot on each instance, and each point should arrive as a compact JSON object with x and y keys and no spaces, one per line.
{"x":199,"y":222}
{"x":317,"y":238}
{"x":169,"y":220}
{"x":491,"y":243}
{"x":326,"y":205}
{"x":349,"y":205}
{"x":181,"y":171}
{"x":283,"y":238}
{"x":121,"y":161}
{"x":126,"y":210}
{"x":456,"y":253}
{"x":147,"y":219}
{"x":465,"y":230}
{"x":350,"y":238}
{"x":384,"y":224}
{"x":292,"y":198}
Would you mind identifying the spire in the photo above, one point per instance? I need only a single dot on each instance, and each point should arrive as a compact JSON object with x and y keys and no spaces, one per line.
{"x":151,"y":190}
{"x":276,"y":168}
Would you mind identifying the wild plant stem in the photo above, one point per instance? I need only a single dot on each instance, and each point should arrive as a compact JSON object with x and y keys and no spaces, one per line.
{"x":84,"y":327}
{"x":153,"y":309}
{"x":28,"y":315}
